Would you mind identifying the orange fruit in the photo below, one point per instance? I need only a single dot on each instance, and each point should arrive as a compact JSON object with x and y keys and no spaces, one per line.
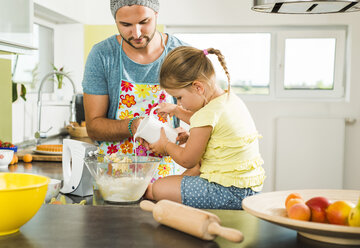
{"x":14,"y":159}
{"x":338,"y":212}
{"x":27,"y":158}
{"x":292,"y":196}
{"x":292,"y":202}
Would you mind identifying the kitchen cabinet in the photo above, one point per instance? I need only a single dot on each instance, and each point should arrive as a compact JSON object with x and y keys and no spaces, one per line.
{"x":16,"y":25}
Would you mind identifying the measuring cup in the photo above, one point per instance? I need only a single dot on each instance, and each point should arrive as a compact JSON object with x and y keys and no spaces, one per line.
{"x":150,"y":128}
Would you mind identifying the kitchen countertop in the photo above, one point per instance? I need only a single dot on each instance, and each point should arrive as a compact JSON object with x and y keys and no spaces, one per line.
{"x":115,"y":226}
{"x":100,"y":225}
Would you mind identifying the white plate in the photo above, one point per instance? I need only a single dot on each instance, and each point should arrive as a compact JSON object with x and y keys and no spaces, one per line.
{"x":271,"y":207}
{"x":47,"y":152}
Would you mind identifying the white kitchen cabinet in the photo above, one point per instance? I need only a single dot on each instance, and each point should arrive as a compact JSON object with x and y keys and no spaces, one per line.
{"x":16,"y":25}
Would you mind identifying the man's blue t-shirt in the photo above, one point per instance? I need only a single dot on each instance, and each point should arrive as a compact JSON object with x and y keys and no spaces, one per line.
{"x":102,"y":70}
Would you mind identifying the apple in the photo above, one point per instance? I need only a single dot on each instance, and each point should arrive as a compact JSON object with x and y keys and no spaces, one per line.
{"x":318,"y":206}
{"x":338,"y":212}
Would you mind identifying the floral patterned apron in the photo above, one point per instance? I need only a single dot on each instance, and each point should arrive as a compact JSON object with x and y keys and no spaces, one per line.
{"x":137,"y":99}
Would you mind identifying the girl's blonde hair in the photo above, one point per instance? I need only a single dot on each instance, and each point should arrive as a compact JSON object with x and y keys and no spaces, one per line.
{"x":185,"y":64}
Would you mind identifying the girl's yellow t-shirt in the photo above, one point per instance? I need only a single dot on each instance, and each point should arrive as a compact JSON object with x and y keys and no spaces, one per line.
{"x":232,"y":155}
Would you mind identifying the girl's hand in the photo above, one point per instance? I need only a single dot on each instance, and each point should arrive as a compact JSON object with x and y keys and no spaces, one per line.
{"x":166,"y":109}
{"x":159,"y":146}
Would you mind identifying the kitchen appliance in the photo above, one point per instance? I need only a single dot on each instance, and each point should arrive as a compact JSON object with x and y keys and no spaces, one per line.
{"x":77,"y":178}
{"x":305,"y":6}
{"x":196,"y":222}
{"x":79,"y":108}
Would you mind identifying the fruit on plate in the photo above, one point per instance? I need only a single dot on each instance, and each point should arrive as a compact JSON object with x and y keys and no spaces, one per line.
{"x":318,"y":206}
{"x":292,"y":202}
{"x":292,"y":196}
{"x":338,"y":212}
{"x":354,"y":215}
{"x":299,"y":211}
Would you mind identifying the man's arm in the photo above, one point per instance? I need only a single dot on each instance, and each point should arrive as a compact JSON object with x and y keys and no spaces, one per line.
{"x":98,"y":126}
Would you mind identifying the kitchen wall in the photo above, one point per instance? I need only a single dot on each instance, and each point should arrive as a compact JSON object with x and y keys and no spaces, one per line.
{"x":238,"y":13}
{"x":6,"y":99}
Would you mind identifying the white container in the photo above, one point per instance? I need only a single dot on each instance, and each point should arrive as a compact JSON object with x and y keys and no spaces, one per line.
{"x":150,"y":129}
{"x":5,"y":157}
{"x":53,"y":189}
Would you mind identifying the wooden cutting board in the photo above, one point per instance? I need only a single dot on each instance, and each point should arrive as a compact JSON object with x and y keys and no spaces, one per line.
{"x":38,"y":156}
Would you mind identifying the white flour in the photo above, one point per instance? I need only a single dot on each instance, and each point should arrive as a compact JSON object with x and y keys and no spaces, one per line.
{"x":123,"y":189}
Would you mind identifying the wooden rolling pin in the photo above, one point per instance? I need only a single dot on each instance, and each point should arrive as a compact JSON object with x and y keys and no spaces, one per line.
{"x":190,"y":220}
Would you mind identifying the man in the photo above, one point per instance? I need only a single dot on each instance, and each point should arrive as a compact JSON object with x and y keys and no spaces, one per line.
{"x":121,"y":79}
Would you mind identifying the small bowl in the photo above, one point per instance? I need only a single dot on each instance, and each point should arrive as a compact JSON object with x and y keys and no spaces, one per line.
{"x":5,"y":157}
{"x":21,"y":196}
{"x":53,"y":189}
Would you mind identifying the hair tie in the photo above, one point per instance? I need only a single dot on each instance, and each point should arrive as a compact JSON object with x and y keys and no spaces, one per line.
{"x":205,"y":52}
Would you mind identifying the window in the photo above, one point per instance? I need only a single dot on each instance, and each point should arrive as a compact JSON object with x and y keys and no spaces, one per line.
{"x":29,"y":69}
{"x":247,"y":57}
{"x":311,"y":63}
{"x":298,"y":62}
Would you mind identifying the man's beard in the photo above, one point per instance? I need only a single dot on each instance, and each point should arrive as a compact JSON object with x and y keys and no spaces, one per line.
{"x":147,"y":38}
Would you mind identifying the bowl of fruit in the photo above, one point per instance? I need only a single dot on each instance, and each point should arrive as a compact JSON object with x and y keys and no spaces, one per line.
{"x":331,"y":216}
{"x":8,"y":146}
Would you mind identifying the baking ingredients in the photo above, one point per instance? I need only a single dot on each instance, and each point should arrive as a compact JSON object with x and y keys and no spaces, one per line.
{"x":121,"y":189}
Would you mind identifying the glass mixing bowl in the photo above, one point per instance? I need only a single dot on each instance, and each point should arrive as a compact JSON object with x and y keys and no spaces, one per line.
{"x":122,"y":179}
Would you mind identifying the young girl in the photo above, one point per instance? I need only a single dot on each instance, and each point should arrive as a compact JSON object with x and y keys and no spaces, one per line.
{"x":223,"y":138}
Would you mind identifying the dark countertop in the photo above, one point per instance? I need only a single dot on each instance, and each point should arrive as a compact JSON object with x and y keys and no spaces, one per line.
{"x":114,"y":226}
{"x":99,"y":225}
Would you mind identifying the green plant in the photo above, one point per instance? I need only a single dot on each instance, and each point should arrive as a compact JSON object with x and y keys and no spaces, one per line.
{"x":59,"y":77}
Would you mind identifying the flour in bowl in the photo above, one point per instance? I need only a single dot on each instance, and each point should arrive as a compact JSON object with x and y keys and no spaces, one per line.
{"x":121,"y":189}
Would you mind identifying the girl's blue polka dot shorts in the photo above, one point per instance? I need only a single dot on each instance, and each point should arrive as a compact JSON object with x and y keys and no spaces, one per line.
{"x":200,"y":193}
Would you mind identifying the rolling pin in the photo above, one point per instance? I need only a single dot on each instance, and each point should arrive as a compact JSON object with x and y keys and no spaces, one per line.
{"x":190,"y":220}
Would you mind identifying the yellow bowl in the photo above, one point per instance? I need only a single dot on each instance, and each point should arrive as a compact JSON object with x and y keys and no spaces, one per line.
{"x":21,"y":196}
